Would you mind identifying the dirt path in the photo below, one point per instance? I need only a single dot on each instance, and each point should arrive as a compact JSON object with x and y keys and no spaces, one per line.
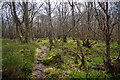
{"x":39,"y":67}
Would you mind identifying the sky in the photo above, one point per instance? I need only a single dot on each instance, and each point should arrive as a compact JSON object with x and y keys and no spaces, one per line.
{"x":75,"y":0}
{"x":61,"y":0}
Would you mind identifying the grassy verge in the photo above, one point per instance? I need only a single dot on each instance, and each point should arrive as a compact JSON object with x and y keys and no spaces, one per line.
{"x":17,"y":59}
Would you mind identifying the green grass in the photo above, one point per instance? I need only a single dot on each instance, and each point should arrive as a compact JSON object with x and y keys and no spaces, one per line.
{"x":18,"y":58}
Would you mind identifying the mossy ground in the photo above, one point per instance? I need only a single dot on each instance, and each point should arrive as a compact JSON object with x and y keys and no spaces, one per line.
{"x":18,"y":59}
{"x":66,"y":61}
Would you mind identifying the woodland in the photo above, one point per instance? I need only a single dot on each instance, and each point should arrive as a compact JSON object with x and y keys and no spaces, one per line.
{"x":60,"y":40}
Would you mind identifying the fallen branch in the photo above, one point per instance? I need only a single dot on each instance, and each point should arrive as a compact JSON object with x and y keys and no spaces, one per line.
{"x":76,"y":54}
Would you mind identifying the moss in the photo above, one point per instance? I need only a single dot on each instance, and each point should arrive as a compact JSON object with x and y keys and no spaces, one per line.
{"x":52,"y":73}
{"x":48,"y":70}
{"x":52,"y":59}
{"x":93,"y":58}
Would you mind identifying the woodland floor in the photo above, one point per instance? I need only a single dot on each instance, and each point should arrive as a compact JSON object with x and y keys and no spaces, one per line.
{"x":39,"y":67}
{"x":35,"y":61}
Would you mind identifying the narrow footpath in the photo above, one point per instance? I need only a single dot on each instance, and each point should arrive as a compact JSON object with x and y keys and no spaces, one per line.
{"x":39,"y":67}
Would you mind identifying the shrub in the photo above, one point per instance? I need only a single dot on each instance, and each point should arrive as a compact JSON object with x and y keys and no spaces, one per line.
{"x":18,"y":59}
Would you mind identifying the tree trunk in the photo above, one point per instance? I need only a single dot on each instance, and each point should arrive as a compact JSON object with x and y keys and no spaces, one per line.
{"x":108,"y":49}
{"x":50,"y":35}
{"x":119,"y":27}
{"x":64,"y":38}
{"x":16,"y":20}
{"x":51,"y":42}
{"x":80,"y":48}
{"x":32,"y":34}
{"x":26,"y":18}
{"x":26,"y":38}
{"x":73,"y":21}
{"x":10,"y":32}
{"x":3,"y":29}
{"x":18,"y":33}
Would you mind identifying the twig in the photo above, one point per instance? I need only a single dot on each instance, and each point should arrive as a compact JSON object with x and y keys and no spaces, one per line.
{"x":75,"y":53}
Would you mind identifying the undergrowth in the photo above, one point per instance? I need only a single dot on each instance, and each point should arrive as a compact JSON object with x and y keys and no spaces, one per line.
{"x":93,"y":59}
{"x":18,"y":59}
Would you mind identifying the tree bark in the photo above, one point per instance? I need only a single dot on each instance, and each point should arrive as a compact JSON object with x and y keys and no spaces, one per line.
{"x":50,"y":36}
{"x":73,"y":21}
{"x":80,"y":48}
{"x":107,"y":39}
{"x":26,"y":18}
{"x":16,"y":20}
{"x":3,"y":29}
{"x":107,"y":55}
{"x":107,"y":33}
{"x":119,"y":27}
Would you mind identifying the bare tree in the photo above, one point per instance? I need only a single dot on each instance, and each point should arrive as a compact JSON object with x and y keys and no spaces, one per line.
{"x":118,"y":9}
{"x":103,"y":18}
{"x":76,"y":31}
{"x":7,"y":22}
{"x":50,"y":26}
{"x":24,"y":25}
{"x":72,"y":5}
{"x":63,"y":15}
